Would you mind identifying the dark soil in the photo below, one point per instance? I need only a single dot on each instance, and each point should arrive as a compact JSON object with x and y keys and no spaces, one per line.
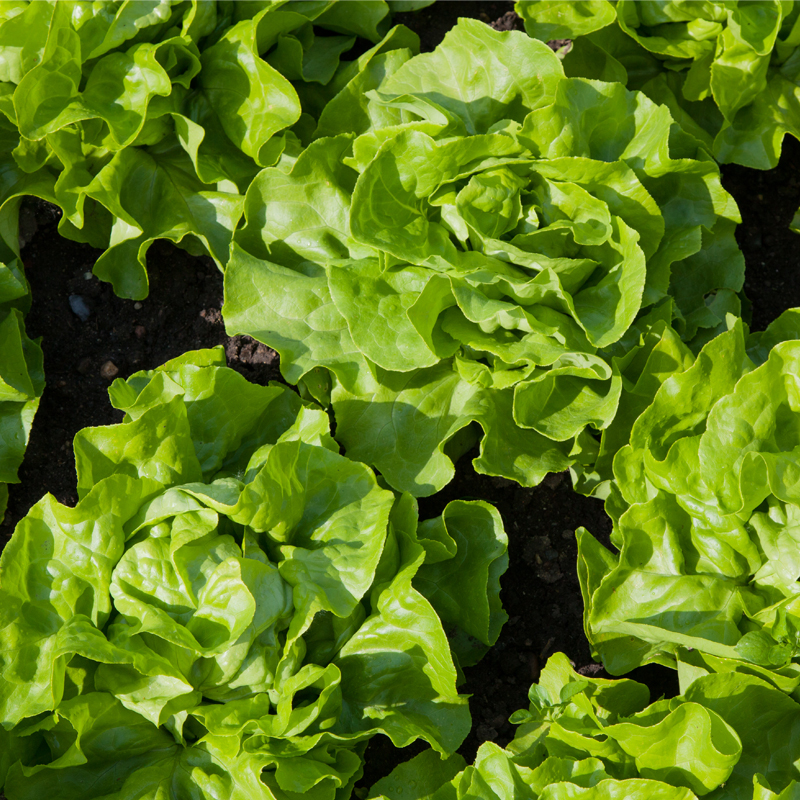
{"x":768,"y":201}
{"x":540,"y":589}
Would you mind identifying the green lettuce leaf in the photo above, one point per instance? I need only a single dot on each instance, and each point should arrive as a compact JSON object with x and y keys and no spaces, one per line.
{"x":21,"y":376}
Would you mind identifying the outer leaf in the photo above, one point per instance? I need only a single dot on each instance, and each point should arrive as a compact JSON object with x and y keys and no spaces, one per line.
{"x":756,"y":711}
{"x":21,"y":385}
{"x":304,"y":212}
{"x":560,"y":20}
{"x":465,"y":590}
{"x":250,"y":111}
{"x":156,"y":197}
{"x":293,"y":310}
{"x":517,"y":75}
{"x":231,"y":599}
{"x":668,"y":751}
{"x":464,"y":262}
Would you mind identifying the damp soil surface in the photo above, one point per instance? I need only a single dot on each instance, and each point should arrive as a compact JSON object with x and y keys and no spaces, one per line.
{"x":118,"y":337}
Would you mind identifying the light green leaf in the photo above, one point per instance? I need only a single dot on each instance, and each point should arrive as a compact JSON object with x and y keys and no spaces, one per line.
{"x":564,"y":20}
{"x":153,"y":196}
{"x":251,"y":111}
{"x":397,"y":673}
{"x":465,"y":589}
{"x":518,"y":74}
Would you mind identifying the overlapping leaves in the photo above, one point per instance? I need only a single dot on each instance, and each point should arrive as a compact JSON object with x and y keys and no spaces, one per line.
{"x":704,"y":499}
{"x":729,"y":71}
{"x":465,"y":244}
{"x":474,"y":256}
{"x":147,"y":120}
{"x":21,"y":362}
{"x":21,"y":376}
{"x":232,"y":606}
{"x":597,"y":739}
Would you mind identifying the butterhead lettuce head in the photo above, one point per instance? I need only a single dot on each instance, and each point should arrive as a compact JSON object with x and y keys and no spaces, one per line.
{"x":705,"y":502}
{"x":468,"y":263}
{"x":232,"y":608}
{"x":148,"y":120}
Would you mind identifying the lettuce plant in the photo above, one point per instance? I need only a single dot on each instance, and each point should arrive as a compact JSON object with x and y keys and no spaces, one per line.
{"x":705,"y":504}
{"x":147,"y":121}
{"x":233,"y":608}
{"x":472,"y":260}
{"x":21,"y":361}
{"x":592,"y":739}
{"x":728,"y":71}
{"x":21,"y":375}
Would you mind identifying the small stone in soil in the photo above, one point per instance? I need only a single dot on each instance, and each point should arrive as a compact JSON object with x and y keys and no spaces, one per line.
{"x":79,"y":307}
{"x":85,"y":366}
{"x":549,"y":573}
{"x":137,"y":306}
{"x":508,"y":22}
{"x":263,"y":355}
{"x":232,"y":349}
{"x":140,"y":331}
{"x":109,"y":370}
{"x":211,"y":315}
